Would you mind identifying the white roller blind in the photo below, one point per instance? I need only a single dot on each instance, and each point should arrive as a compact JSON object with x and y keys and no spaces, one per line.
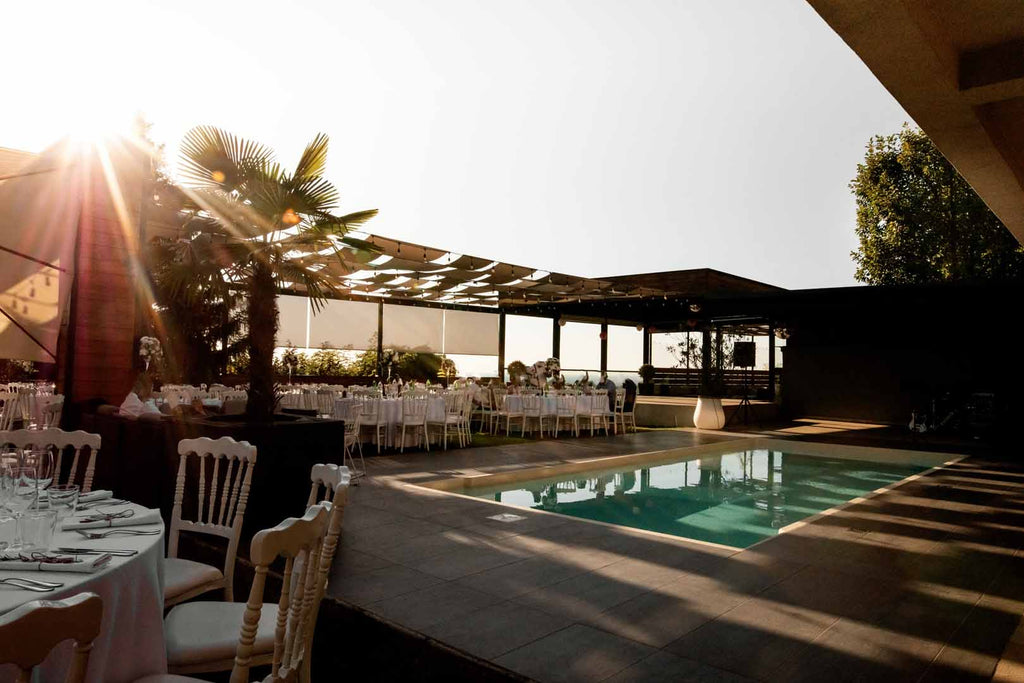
{"x":344,"y":325}
{"x":471,"y":333}
{"x":292,"y":312}
{"x":411,"y":328}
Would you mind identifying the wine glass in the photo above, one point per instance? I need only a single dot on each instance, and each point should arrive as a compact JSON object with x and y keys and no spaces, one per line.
{"x":40,"y":459}
{"x":20,"y":492}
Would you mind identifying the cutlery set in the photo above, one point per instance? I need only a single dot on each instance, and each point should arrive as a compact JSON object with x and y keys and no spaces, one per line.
{"x":30,"y":584}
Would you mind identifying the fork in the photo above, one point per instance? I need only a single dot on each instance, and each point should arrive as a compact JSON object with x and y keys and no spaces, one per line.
{"x":30,"y":585}
{"x":104,"y":534}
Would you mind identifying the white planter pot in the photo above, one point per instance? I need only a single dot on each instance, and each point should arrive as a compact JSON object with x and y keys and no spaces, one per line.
{"x":709,"y":413}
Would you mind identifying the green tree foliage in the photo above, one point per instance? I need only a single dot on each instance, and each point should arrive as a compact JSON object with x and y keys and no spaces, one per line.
{"x":919,"y":221}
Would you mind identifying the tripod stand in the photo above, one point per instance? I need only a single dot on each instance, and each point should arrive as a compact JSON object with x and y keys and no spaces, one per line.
{"x":744,"y":406}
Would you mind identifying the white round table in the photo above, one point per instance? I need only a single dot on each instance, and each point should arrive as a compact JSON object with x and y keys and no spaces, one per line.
{"x":131,"y":641}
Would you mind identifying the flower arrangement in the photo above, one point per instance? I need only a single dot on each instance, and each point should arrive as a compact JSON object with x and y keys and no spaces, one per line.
{"x":516,"y":371}
{"x":448,"y":369}
{"x":554,"y":373}
{"x":388,"y":361}
{"x":150,"y":350}
{"x":290,"y":360}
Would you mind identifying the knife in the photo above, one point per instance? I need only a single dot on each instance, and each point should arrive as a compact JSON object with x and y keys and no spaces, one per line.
{"x":98,"y":551}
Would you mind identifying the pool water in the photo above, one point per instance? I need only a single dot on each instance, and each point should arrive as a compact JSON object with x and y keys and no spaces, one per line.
{"x":735,"y":499}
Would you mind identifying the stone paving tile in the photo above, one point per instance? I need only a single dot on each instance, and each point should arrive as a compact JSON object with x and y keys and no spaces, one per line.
{"x":855,"y":651}
{"x":511,"y":580}
{"x":577,"y":653}
{"x":422,"y":548}
{"x":454,"y":565}
{"x":349,"y":561}
{"x":379,"y":584}
{"x":662,"y":667}
{"x":658,"y":619}
{"x":494,"y":630}
{"x":581,"y":597}
{"x":421,"y":608}
{"x":754,"y":638}
{"x":392,"y":534}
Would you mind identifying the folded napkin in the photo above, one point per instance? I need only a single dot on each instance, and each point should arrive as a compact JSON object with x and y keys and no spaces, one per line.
{"x":53,"y":563}
{"x":99,"y":520}
{"x":90,"y":497}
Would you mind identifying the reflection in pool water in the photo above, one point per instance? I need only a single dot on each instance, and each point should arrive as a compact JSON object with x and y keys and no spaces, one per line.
{"x":734,"y":499}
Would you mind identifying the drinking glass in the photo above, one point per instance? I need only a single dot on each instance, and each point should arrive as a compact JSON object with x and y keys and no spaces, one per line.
{"x":37,"y":528}
{"x":21,"y":492}
{"x":63,"y":500}
{"x":41,"y":459}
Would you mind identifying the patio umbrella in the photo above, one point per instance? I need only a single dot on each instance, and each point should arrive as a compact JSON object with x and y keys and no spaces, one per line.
{"x":40,"y":205}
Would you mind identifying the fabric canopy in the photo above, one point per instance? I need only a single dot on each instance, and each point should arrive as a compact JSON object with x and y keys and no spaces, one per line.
{"x":293,"y":321}
{"x":466,"y":332}
{"x":344,"y":325}
{"x":40,"y":204}
{"x":412,"y":328}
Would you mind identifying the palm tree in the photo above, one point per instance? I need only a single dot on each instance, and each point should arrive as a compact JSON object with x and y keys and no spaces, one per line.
{"x":266,"y":228}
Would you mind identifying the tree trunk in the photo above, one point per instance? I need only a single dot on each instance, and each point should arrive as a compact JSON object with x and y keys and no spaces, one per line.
{"x":262,"y":318}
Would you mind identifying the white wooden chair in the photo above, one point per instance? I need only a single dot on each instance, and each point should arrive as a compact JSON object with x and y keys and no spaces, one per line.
{"x":505,"y":412}
{"x":350,"y":414}
{"x":59,"y":441}
{"x":10,"y":412}
{"x":51,"y":412}
{"x":414,"y":416}
{"x":566,"y":413}
{"x":218,"y":516}
{"x":533,"y":410}
{"x":218,"y":636}
{"x":28,"y":633}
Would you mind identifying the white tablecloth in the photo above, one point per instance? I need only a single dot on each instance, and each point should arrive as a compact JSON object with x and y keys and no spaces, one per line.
{"x":549,"y":404}
{"x":131,"y":642}
{"x":392,"y":410}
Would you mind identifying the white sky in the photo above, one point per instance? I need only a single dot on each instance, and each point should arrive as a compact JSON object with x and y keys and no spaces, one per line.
{"x":593,"y":137}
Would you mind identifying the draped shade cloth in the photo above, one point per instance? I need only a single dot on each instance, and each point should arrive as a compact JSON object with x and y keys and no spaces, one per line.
{"x":40,"y":201}
{"x":413,"y":328}
{"x":470,"y":333}
{"x":344,"y":325}
{"x":293,"y":321}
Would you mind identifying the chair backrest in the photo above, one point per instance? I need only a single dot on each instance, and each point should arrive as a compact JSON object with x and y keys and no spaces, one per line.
{"x":414,"y":406}
{"x":28,"y":633}
{"x":300,"y":543}
{"x":60,"y":441}
{"x":333,"y":480}
{"x":51,"y":412}
{"x":221,"y":516}
{"x":11,"y":411}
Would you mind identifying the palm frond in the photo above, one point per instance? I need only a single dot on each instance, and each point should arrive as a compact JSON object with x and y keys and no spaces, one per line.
{"x":211,"y":157}
{"x":313,"y":161}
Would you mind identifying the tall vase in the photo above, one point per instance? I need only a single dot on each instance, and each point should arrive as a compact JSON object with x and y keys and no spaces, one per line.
{"x":709,"y":413}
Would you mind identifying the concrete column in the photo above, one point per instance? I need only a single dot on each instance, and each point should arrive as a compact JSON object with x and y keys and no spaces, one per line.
{"x":556,"y":337}
{"x":380,"y":340}
{"x":604,"y":347}
{"x":647,"y":345}
{"x":771,"y":361}
{"x":705,"y":353}
{"x":501,"y":347}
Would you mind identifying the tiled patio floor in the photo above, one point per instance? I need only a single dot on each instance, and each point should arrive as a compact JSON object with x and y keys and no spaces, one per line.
{"x":925,"y":582}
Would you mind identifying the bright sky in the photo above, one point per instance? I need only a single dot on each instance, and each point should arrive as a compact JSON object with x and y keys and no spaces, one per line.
{"x":593,"y":137}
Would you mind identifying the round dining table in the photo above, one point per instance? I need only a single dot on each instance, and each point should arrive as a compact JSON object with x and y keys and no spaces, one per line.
{"x":131,"y":640}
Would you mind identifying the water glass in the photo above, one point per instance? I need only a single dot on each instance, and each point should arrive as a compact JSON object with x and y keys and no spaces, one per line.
{"x":63,"y":500}
{"x":37,"y":527}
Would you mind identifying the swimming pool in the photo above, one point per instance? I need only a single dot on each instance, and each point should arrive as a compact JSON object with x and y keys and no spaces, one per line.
{"x":734,"y":498}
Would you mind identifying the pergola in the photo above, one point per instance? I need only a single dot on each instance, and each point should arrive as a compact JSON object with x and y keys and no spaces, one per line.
{"x":390,"y":273}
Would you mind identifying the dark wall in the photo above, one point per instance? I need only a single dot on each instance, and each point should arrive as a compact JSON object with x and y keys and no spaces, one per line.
{"x":877,"y":358}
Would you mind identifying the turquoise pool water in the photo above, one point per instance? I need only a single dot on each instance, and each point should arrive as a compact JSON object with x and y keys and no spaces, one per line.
{"x":735,"y":499}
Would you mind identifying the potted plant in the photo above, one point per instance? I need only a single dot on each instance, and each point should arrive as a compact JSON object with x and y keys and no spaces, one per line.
{"x":647,"y":375}
{"x":709,"y":413}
